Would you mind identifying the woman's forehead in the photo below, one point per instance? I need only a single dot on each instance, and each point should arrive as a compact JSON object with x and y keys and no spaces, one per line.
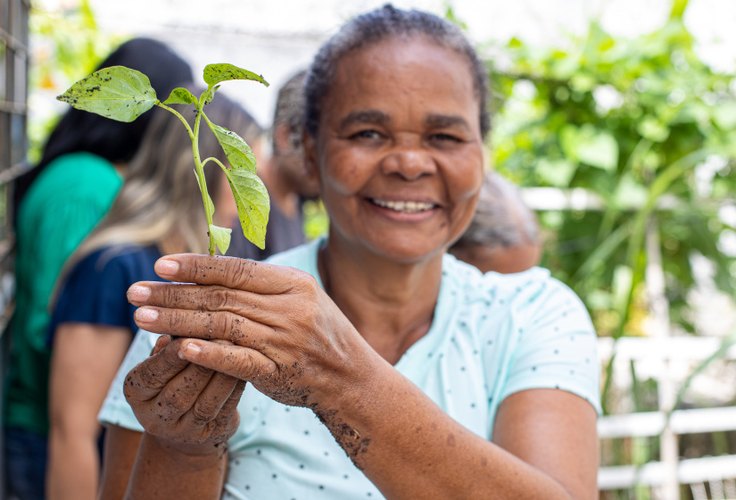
{"x":415,"y":70}
{"x":393,"y":53}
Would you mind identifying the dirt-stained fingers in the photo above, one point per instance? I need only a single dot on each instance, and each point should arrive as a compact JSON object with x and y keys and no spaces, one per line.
{"x":220,"y":325}
{"x":240,"y":362}
{"x":230,"y":272}
{"x":146,"y":380}
{"x":213,"y":398}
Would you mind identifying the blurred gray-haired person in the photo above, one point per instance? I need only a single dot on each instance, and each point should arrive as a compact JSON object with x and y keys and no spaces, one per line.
{"x":503,"y":235}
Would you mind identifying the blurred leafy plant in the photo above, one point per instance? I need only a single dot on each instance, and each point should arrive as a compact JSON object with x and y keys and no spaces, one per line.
{"x":636,"y":121}
{"x":67,"y":44}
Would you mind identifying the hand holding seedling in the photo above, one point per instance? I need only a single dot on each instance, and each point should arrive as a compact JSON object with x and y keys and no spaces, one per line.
{"x":281,"y":331}
{"x":123,"y":94}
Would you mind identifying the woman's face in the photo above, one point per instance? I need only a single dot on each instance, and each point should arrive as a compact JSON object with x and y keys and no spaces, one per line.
{"x":399,"y":151}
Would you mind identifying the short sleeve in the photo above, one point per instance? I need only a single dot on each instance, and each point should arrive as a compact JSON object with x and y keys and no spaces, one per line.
{"x":94,"y":292}
{"x":116,"y":410}
{"x":556,"y":346}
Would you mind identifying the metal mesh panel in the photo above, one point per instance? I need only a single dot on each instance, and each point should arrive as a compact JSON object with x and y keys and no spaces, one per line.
{"x":13,"y":119}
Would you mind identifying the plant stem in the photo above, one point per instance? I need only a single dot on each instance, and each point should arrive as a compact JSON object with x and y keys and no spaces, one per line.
{"x":180,"y":117}
{"x":199,"y":171}
{"x":198,"y":165}
{"x":215,"y":160}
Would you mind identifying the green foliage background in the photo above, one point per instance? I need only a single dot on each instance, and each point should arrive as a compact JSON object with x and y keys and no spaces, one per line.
{"x":632,"y":120}
{"x":67,"y":45}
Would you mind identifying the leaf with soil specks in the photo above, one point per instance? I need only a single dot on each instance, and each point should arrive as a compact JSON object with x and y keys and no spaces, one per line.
{"x":216,"y":73}
{"x":238,"y":153}
{"x":180,"y":95}
{"x":117,"y":92}
{"x":253,"y":204}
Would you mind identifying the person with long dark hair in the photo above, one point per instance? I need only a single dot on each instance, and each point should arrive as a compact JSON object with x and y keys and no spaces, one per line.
{"x":58,"y":203}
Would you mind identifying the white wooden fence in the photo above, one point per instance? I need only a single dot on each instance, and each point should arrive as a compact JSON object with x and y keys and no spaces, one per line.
{"x":669,"y":361}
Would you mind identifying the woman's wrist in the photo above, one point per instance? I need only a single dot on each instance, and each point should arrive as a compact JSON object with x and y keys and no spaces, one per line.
{"x":161,"y":471}
{"x":197,"y":455}
{"x":348,"y":381}
{"x":349,"y":408}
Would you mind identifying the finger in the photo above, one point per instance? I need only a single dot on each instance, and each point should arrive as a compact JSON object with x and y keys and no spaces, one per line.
{"x":231,"y":272}
{"x":198,"y":297}
{"x":204,"y":325}
{"x":161,"y":342}
{"x":229,"y":412}
{"x":240,"y":362}
{"x":211,"y":400}
{"x":182,"y":392}
{"x":147,"y":378}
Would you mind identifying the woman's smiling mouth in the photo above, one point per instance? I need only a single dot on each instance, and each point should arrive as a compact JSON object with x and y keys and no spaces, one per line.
{"x":408,"y":207}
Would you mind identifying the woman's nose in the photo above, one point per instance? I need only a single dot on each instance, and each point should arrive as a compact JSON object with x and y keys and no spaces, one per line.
{"x":410,"y":163}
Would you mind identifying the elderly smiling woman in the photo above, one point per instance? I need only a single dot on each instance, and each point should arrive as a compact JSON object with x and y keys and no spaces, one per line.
{"x":427,"y":378}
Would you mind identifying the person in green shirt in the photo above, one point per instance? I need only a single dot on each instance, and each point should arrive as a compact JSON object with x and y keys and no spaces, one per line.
{"x":58,"y":203}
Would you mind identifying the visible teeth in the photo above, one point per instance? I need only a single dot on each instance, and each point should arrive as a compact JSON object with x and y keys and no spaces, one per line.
{"x":404,"y":206}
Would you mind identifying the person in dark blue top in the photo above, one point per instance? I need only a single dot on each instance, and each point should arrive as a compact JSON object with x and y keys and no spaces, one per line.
{"x":93,"y":289}
{"x":157,"y":211}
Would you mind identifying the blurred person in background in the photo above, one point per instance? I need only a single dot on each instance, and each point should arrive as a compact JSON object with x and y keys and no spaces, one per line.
{"x":58,"y":203}
{"x":284,"y":173}
{"x":158,"y":211}
{"x":503,"y":235}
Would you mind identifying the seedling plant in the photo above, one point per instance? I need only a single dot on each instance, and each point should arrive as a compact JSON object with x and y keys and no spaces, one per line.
{"x":123,"y":94}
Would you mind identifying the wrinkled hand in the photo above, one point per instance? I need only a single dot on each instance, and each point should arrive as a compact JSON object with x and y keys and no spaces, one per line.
{"x":288,"y":338}
{"x":187,"y":407}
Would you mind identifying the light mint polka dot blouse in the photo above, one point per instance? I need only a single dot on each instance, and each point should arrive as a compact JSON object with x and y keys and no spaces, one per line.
{"x":492,"y":335}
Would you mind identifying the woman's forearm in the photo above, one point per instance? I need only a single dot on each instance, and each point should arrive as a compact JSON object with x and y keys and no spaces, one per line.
{"x":410,"y":448}
{"x":73,"y":467}
{"x":162,"y":472}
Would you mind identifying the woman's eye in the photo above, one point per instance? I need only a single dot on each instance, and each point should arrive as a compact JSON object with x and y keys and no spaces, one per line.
{"x":445,"y":138}
{"x":366,"y":135}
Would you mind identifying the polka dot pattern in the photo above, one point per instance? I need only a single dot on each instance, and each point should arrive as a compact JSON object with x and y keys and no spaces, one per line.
{"x":491,"y":336}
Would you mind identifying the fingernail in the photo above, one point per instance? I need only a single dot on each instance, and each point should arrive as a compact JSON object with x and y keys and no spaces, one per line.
{"x":138,"y":293}
{"x":146,"y":314}
{"x":166,"y":266}
{"x":190,"y":349}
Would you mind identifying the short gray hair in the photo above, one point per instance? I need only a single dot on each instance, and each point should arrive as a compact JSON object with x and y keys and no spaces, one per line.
{"x":378,"y":25}
{"x":502,"y":219}
{"x":290,"y":110}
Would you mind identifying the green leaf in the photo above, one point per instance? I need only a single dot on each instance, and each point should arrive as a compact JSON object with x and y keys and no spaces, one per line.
{"x":216,"y":73}
{"x":238,"y":153}
{"x":725,"y":115}
{"x":207,"y":95}
{"x":209,"y":207}
{"x":221,"y":235}
{"x":629,"y":194}
{"x":557,"y":173}
{"x":600,"y":151}
{"x":515,"y":43}
{"x":117,"y":92}
{"x":180,"y":95}
{"x":253,"y":204}
{"x":582,"y":82}
{"x":589,"y":145}
{"x":651,"y":128}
